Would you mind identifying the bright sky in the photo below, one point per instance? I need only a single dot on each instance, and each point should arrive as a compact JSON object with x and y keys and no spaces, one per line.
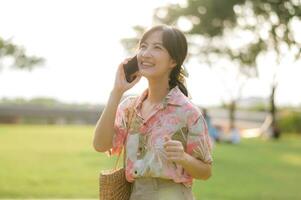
{"x":80,"y":41}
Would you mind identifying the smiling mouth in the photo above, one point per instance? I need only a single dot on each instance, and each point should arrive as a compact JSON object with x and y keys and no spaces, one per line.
{"x":146,"y":64}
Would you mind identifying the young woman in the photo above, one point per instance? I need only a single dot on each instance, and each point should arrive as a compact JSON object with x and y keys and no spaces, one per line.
{"x":165,"y":138}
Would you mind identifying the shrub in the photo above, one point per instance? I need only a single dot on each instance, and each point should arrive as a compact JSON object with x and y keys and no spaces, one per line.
{"x":290,"y":122}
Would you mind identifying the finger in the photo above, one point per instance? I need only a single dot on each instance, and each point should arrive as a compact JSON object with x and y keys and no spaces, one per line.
{"x":120,"y":67}
{"x":121,"y":72}
{"x":136,"y":80}
{"x":166,"y":138}
{"x":167,"y":144}
{"x":118,"y":75}
{"x":172,"y":143}
{"x":173,"y":158}
{"x":173,"y":154}
{"x":174,"y":149}
{"x":126,"y":60}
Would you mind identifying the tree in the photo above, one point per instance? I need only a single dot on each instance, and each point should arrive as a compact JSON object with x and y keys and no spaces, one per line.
{"x":130,"y":44}
{"x":20,"y":59}
{"x":269,"y":25}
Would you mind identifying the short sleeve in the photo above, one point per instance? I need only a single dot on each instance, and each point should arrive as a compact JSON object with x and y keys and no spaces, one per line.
{"x":198,"y":142}
{"x":120,"y":125}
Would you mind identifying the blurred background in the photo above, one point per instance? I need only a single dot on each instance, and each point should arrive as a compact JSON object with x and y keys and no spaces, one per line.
{"x":58,"y":61}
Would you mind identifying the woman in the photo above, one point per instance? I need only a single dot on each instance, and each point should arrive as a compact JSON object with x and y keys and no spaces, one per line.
{"x":166,"y":138}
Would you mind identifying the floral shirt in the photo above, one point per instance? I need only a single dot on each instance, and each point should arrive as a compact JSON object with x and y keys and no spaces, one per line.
{"x":177,"y":118}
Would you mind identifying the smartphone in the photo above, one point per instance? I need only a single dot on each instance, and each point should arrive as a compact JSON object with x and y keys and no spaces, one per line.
{"x":130,"y":69}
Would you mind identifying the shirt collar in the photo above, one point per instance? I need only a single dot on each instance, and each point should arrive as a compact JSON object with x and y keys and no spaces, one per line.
{"x":174,"y":97}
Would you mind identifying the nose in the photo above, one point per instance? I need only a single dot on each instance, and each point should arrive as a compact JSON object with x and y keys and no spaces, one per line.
{"x":146,"y":53}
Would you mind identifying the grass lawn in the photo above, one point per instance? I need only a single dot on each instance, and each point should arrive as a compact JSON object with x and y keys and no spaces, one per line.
{"x":59,"y":162}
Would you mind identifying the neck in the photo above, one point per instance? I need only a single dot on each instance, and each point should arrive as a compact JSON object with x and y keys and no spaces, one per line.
{"x":157,"y":90}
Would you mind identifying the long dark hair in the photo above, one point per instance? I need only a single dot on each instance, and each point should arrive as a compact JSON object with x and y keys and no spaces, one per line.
{"x":176,"y":44}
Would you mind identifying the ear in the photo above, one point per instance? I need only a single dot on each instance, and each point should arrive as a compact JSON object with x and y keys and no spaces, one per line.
{"x":172,"y":63}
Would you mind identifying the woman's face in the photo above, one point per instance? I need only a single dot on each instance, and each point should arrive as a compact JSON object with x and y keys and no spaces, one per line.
{"x":154,"y":60}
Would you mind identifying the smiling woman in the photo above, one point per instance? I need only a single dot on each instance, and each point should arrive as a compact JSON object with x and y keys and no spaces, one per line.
{"x":163,"y":47}
{"x":164,"y":134}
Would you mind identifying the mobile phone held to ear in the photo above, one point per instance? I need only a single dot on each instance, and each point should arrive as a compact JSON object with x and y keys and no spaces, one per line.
{"x":130,"y":69}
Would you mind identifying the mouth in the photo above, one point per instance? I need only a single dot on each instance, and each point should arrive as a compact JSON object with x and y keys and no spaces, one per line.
{"x":145,"y":65}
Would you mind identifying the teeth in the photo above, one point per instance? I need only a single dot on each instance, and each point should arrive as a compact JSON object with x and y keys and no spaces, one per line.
{"x":147,"y":64}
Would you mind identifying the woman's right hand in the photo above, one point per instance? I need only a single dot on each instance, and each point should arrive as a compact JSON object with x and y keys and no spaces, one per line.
{"x":121,"y":85}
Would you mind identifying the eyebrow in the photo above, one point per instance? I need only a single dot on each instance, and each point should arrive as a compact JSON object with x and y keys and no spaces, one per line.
{"x":154,"y":43}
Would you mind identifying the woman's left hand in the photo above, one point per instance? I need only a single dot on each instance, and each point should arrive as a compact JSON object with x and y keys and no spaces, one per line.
{"x":174,"y":150}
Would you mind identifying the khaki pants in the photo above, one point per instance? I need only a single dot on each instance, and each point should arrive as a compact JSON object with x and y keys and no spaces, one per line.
{"x":159,"y":189}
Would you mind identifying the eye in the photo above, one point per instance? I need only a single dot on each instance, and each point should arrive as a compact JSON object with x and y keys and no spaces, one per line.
{"x":142,"y":46}
{"x":158,"y":47}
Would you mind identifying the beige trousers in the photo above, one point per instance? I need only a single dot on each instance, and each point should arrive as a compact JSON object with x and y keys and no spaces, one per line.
{"x":159,"y":189}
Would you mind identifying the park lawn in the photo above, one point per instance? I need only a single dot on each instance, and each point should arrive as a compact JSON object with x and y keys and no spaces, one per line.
{"x":255,"y":169}
{"x":39,"y":161}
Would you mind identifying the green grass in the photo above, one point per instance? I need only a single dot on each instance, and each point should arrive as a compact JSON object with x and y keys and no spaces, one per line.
{"x":255,"y":169}
{"x":59,"y":162}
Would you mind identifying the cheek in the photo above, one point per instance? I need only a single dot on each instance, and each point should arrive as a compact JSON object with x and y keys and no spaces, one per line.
{"x":139,"y":55}
{"x":161,"y":68}
{"x":163,"y":64}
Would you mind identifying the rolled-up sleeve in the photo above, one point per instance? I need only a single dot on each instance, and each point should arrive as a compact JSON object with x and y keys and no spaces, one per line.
{"x":198,"y":142}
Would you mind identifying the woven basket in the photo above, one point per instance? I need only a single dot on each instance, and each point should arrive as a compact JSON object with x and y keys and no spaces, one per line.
{"x":113,"y":185}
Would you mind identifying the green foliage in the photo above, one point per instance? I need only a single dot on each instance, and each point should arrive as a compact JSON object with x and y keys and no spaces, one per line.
{"x":268,"y":22}
{"x":270,"y":26}
{"x":18,"y":53}
{"x":208,"y":17}
{"x":130,"y":44}
{"x":290,"y":122}
{"x":60,"y":162}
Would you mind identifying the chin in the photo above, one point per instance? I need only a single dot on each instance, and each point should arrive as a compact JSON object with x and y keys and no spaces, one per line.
{"x":146,"y":74}
{"x":151,"y":76}
{"x":150,"y":73}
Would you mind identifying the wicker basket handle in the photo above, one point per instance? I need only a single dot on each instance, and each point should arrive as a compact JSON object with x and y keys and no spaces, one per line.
{"x":132,"y":111}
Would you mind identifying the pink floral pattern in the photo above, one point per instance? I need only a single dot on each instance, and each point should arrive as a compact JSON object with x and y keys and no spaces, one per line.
{"x":145,"y":156}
